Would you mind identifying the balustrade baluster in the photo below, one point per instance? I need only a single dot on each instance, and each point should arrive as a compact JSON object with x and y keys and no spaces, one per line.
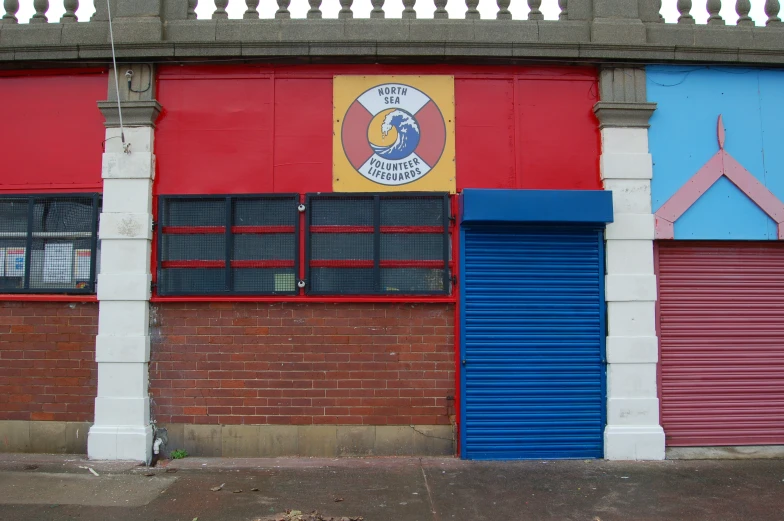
{"x":192,"y":9}
{"x":472,"y":13}
{"x":535,"y":13}
{"x":283,"y":9}
{"x":503,"y":10}
{"x":408,"y":11}
{"x":314,"y":11}
{"x":71,"y":6}
{"x":658,"y":10}
{"x":345,"y":9}
{"x":714,"y":6}
{"x":11,"y":7}
{"x":378,"y":9}
{"x":41,"y":7}
{"x":251,"y":13}
{"x":440,"y":11}
{"x":772,"y":10}
{"x":684,"y":8}
{"x":220,"y":9}
{"x":562,"y":4}
{"x":742,"y":7}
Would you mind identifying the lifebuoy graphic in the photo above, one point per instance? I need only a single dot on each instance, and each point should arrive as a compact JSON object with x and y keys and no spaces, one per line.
{"x":393,"y":134}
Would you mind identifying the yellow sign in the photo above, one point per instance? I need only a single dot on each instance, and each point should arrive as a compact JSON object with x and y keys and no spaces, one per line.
{"x":394,"y":133}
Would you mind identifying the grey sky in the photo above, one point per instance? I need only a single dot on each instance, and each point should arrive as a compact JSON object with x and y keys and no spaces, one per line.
{"x":393,"y":8}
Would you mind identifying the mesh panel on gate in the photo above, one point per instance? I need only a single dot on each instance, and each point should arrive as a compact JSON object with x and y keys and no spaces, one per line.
{"x":228,"y":244}
{"x":192,"y":245}
{"x":341,"y":241}
{"x":264,"y":245}
{"x":378,"y":244}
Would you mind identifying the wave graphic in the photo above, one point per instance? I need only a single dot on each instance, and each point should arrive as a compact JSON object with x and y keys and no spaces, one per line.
{"x":407,"y":135}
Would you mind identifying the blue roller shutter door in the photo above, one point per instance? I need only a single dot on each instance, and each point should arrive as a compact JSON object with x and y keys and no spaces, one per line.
{"x":533,"y":379}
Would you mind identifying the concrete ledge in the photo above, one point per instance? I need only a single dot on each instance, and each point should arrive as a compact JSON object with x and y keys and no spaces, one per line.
{"x":271,"y":441}
{"x":750,"y":452}
{"x":145,"y":38}
{"x":49,"y":437}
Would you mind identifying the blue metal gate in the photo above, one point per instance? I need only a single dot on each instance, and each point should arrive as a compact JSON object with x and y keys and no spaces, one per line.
{"x":533,"y":332}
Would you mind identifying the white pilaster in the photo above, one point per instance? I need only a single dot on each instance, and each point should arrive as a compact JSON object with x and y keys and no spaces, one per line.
{"x":633,"y":431}
{"x":122,"y":428}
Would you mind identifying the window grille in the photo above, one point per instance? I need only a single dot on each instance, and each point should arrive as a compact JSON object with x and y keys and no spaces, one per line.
{"x":209,"y":245}
{"x":48,"y":243}
{"x":366,"y":244}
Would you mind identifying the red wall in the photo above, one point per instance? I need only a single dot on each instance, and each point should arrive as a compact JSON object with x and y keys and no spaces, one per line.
{"x":302,"y":363}
{"x":249,"y":129}
{"x":51,"y":131}
{"x":47,"y":361}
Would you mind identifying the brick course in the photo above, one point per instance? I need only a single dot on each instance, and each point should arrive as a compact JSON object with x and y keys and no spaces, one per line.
{"x":302,"y":363}
{"x":47,"y":360}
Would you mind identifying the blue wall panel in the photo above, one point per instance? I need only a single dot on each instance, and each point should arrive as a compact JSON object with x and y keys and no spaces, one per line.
{"x":682,"y":138}
{"x":724,"y":213}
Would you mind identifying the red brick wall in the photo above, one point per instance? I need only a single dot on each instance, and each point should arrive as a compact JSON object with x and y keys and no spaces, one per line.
{"x":302,"y":363}
{"x":47,"y":360}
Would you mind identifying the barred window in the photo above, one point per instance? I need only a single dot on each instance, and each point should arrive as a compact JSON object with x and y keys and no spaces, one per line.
{"x":210,"y":245}
{"x":48,"y":243}
{"x":391,"y":244}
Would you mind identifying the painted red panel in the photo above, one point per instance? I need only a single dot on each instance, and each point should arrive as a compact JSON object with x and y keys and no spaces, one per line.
{"x":432,"y":144}
{"x":57,"y":113}
{"x":303,"y":135}
{"x":515,"y":127}
{"x":485,"y":133}
{"x":215,"y":135}
{"x":356,"y":122}
{"x":558,"y":140}
{"x":721,"y":328}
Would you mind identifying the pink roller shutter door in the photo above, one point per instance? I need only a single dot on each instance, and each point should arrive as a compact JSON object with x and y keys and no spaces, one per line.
{"x":721,"y":329}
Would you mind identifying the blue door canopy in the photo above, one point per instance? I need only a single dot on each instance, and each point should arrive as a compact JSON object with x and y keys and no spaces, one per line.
{"x":536,"y":206}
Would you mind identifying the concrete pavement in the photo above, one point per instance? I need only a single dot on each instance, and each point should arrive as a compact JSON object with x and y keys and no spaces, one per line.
{"x":42,"y":487}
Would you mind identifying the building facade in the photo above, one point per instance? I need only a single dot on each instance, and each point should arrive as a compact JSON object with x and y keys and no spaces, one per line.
{"x":324,"y":237}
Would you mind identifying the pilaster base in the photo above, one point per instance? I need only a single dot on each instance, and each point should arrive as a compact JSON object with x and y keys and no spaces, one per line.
{"x":123,"y":442}
{"x":634,"y":442}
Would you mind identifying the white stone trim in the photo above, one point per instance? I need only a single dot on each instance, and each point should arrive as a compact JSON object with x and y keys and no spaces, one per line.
{"x":630,"y":288}
{"x":128,"y":195}
{"x":635,"y":442}
{"x":122,"y":428}
{"x":124,"y":286}
{"x":633,"y":431}
{"x":134,"y":165}
{"x":626,"y":166}
{"x":630,"y":226}
{"x":129,"y":349}
{"x":632,"y":349}
{"x":125,"y":225}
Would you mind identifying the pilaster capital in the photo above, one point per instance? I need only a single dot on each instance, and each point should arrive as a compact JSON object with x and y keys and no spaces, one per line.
{"x":612,"y":114}
{"x":134,"y":113}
